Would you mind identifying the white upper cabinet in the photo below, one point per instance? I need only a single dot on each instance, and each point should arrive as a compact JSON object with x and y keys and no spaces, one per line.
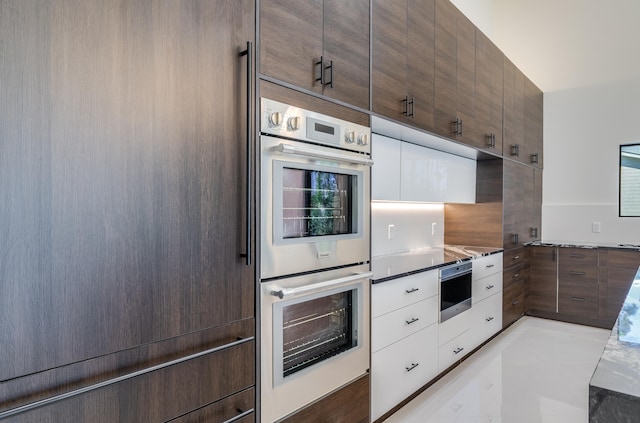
{"x":385,"y":176}
{"x":404,"y":171}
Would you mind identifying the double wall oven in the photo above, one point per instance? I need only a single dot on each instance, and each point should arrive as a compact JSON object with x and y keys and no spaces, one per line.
{"x":315,"y":253}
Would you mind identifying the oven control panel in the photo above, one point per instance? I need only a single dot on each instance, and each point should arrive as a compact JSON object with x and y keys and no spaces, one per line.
{"x":305,"y":125}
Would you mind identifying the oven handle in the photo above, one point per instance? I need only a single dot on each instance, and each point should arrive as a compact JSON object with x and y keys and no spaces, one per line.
{"x":307,"y":289}
{"x":301,"y":151}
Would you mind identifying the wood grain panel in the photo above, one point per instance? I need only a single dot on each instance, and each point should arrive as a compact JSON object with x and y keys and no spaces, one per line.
{"x":543,"y":279}
{"x":224,"y":410}
{"x":445,"y":78}
{"x":347,"y":405}
{"x":473,"y":224}
{"x":421,"y":61}
{"x":122,"y":175}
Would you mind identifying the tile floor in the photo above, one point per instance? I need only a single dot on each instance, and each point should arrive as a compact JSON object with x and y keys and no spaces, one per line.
{"x":536,"y":371}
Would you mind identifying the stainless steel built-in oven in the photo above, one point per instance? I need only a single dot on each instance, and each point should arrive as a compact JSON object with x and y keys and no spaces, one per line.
{"x":455,"y":289}
{"x":315,"y":191}
{"x":314,"y":337}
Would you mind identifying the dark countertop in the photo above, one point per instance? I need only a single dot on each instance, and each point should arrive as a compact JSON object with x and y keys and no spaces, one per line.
{"x":574,"y":244}
{"x":404,"y":263}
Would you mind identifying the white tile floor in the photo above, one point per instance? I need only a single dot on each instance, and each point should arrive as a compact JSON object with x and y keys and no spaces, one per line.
{"x":536,"y":371}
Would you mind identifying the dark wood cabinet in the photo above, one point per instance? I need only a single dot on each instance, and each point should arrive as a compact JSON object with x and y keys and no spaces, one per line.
{"x":514,"y":283}
{"x":543,"y":279}
{"x":522,"y":202}
{"x":403,"y":60}
{"x":489,"y":87}
{"x":318,"y":45}
{"x":617,"y":271}
{"x":523,"y":117}
{"x":455,"y":51}
{"x":347,"y":405}
{"x":122,"y":186}
{"x":578,"y":282}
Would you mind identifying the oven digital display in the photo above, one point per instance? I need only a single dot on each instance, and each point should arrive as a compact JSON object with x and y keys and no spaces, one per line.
{"x":324,"y":128}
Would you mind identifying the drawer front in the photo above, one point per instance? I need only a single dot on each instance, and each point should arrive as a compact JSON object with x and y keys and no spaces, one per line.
{"x":487,"y":318}
{"x":454,"y":350}
{"x":512,"y":303}
{"x":576,"y":273}
{"x":402,"y":368}
{"x":578,"y":255}
{"x":398,"y":293}
{"x":485,"y":287}
{"x":454,"y":326}
{"x":238,"y":408}
{"x":578,"y":299}
{"x":512,"y":276}
{"x":487,"y":265}
{"x":399,"y":324}
{"x":513,"y":257}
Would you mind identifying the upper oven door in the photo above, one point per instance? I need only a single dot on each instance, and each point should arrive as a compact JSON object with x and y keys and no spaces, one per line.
{"x":315,"y":207}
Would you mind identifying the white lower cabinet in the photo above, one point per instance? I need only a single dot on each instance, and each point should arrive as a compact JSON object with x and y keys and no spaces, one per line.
{"x":487,"y":318}
{"x":400,"y":369}
{"x":403,"y":322}
{"x":455,"y":349}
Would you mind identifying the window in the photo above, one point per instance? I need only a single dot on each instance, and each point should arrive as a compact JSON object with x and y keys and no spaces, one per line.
{"x":629,"y":180}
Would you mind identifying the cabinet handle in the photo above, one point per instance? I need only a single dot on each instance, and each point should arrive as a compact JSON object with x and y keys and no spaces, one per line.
{"x":488,"y":319}
{"x":534,"y":158}
{"x":457,"y":126}
{"x":412,"y":103}
{"x":574,"y":255}
{"x":533,"y":232}
{"x":239,"y":416}
{"x":84,"y":390}
{"x":491,"y":140}
{"x":515,"y":302}
{"x":577,"y":273}
{"x":458,"y":350}
{"x":576,"y":299}
{"x":321,"y":63}
{"x":330,"y":67}
{"x":516,"y":257}
{"x":515,"y":150}
{"x":249,"y":199}
{"x":516,"y":276}
{"x":489,"y":266}
{"x":515,"y":238}
{"x":405,"y":102}
{"x":413,"y":366}
{"x":489,"y":287}
{"x":412,"y":290}
{"x":413,"y":320}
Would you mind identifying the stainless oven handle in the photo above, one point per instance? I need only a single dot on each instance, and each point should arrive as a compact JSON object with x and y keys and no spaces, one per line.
{"x":289,"y":292}
{"x":301,"y":151}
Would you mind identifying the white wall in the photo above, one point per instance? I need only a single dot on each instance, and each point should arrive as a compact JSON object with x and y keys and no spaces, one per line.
{"x":583,"y":55}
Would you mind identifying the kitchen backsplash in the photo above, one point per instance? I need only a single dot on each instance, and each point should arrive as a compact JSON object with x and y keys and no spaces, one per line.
{"x":398,"y":227}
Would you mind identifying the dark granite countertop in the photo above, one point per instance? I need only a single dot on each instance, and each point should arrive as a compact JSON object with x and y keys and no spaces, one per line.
{"x":392,"y":266}
{"x":573,"y":244}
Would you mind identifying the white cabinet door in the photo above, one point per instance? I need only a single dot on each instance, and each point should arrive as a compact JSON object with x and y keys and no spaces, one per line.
{"x":455,"y":350}
{"x":385,"y":173}
{"x":424,"y":174}
{"x":402,"y":368}
{"x":485,"y":287}
{"x":487,"y":319}
{"x":398,"y":293}
{"x":487,"y":265}
{"x":461,"y":180}
{"x":401,"y":323}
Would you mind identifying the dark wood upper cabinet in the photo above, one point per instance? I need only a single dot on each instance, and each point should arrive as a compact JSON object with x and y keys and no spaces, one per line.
{"x":122,"y":176}
{"x":403,"y":61}
{"x":523,"y":117}
{"x":488,"y":95}
{"x":522,"y":199}
{"x":318,"y":45}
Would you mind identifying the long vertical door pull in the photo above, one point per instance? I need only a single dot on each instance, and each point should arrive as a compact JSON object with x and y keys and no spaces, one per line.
{"x":249,"y":206}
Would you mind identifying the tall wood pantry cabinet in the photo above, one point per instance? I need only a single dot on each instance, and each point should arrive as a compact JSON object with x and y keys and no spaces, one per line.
{"x":124,"y":295}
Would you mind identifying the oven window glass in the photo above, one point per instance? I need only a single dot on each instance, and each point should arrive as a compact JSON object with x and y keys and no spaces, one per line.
{"x":316,"y":330}
{"x":455,"y":291}
{"x":317,"y":203}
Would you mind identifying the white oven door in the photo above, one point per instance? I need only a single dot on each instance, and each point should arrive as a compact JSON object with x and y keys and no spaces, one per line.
{"x":315,"y":337}
{"x":315,"y":207}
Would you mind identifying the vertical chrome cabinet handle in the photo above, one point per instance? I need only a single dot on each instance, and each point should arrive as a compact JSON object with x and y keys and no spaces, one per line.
{"x":321,"y":78}
{"x":249,"y":200}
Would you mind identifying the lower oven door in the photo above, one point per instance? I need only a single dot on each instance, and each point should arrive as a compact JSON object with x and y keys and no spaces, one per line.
{"x":315,"y":337}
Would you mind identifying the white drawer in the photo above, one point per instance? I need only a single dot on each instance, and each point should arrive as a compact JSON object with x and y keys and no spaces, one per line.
{"x":402,"y":368}
{"x":454,"y":350}
{"x":487,"y":265}
{"x":487,"y":318}
{"x":401,"y":323}
{"x":454,"y":326}
{"x":398,"y":293}
{"x":485,"y":287}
